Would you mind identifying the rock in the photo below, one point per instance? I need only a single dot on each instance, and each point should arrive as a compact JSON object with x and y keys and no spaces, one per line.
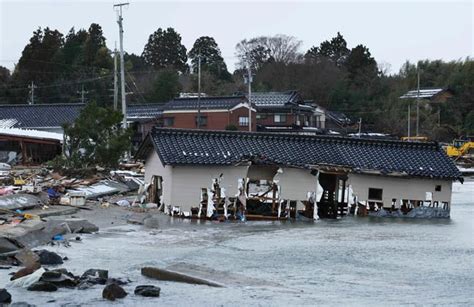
{"x":61,"y":278}
{"x":47,"y":257}
{"x":113,"y":291}
{"x":95,"y":276}
{"x":8,"y":245}
{"x":74,"y":225}
{"x":148,"y":291}
{"x":167,"y":275}
{"x":26,"y":271}
{"x":42,"y":286}
{"x":84,"y":285}
{"x":5,"y":297}
{"x":27,"y":258}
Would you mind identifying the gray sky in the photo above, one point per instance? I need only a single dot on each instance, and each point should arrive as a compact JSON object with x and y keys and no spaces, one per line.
{"x":394,"y":31}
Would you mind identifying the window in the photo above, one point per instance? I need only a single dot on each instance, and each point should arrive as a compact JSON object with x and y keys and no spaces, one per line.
{"x":438,"y":188}
{"x":261,"y":116}
{"x":279,"y":118}
{"x":375,"y":194}
{"x":168,"y":121}
{"x":203,"y":122}
{"x":243,"y":120}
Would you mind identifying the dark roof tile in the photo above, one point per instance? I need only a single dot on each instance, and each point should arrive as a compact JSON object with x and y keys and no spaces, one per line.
{"x":178,"y":146}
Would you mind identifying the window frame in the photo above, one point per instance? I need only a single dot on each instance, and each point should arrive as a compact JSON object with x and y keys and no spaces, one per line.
{"x":377,"y":191}
{"x":247,"y":122}
{"x":203,"y":121}
{"x":280,"y":116}
{"x":168,"y":120}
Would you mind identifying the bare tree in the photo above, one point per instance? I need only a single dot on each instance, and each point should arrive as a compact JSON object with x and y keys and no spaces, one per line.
{"x":280,"y":48}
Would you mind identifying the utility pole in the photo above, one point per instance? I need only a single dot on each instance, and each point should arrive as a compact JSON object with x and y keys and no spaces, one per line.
{"x":122,"y":69}
{"x":115,"y":79}
{"x":249,"y":81}
{"x":199,"y":91}
{"x":32,"y":92}
{"x":409,"y":115}
{"x":83,"y":92}
{"x":418,"y":103}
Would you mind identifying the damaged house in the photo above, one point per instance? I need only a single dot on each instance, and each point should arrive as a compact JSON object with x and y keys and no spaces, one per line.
{"x":236,"y":175}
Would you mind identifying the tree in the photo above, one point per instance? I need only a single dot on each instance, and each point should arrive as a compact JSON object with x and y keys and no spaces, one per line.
{"x":94,"y":42}
{"x":95,"y":139}
{"x":166,"y":86}
{"x":279,"y":48}
{"x":164,"y":50}
{"x":361,"y":65}
{"x":211,"y":59}
{"x":335,"y":50}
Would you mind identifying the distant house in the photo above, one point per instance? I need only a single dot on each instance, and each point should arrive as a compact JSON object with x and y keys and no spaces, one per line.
{"x":51,"y":117}
{"x":285,"y":110}
{"x":435,"y":95}
{"x":338,"y":121}
{"x":25,"y":146}
{"x":45,"y":117}
{"x":231,"y":174}
{"x":217,"y":113}
{"x":142,"y":118}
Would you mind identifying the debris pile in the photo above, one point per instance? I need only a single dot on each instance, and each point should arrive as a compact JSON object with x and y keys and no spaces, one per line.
{"x":30,"y":196}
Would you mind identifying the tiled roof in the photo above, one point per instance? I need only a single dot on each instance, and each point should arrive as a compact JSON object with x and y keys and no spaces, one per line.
{"x":339,"y":117}
{"x":209,"y":103}
{"x":39,"y":115}
{"x":275,"y":99}
{"x":149,"y":110}
{"x":201,"y":147}
{"x":424,"y":93}
{"x":55,"y":115}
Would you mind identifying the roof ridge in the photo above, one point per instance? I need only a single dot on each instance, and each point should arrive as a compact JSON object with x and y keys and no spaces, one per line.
{"x":295,"y":136}
{"x":42,"y":104}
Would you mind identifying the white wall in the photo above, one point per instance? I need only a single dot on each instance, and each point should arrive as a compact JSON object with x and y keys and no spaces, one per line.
{"x":189,"y":180}
{"x":295,"y":183}
{"x":399,"y":188}
{"x":154,"y":167}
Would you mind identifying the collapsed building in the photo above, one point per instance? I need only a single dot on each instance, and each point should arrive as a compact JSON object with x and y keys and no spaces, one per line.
{"x":243,"y":175}
{"x":26,"y":146}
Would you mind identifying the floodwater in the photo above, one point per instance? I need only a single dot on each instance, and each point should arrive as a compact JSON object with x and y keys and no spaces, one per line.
{"x":352,"y":261}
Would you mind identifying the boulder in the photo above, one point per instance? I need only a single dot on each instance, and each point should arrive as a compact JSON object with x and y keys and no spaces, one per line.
{"x":5,"y":297}
{"x":167,"y":275}
{"x":47,"y":257}
{"x":42,"y":286}
{"x":113,"y":291}
{"x":25,"y":271}
{"x":27,"y":257}
{"x":95,"y":276}
{"x":8,"y":245}
{"x":61,"y":278}
{"x":148,"y":291}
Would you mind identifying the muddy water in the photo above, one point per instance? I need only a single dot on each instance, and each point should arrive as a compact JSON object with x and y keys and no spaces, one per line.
{"x":353,"y":261}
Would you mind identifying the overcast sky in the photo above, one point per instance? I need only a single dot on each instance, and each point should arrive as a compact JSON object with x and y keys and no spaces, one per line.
{"x":394,"y":31}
